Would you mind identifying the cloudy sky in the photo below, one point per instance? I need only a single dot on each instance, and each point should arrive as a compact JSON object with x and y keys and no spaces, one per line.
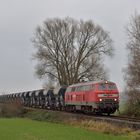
{"x":19,"y":18}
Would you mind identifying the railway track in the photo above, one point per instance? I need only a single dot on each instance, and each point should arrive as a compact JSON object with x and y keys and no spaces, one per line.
{"x":133,"y":119}
{"x":121,"y":121}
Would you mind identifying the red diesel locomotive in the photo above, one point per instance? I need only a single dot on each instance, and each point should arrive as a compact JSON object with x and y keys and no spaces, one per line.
{"x":98,"y":97}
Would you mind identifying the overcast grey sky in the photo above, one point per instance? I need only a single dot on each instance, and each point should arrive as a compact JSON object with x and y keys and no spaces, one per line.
{"x":19,"y":18}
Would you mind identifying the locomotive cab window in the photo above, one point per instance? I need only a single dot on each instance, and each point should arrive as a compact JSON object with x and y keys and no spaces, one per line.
{"x":68,"y":89}
{"x":82,"y":88}
{"x":93,"y":87}
{"x":88,"y":87}
{"x":73,"y":89}
{"x":112,"y":87}
{"x":102,"y":87}
{"x":78,"y":89}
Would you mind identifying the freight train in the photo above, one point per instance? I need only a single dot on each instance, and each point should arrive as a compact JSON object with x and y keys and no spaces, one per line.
{"x":94,"y":97}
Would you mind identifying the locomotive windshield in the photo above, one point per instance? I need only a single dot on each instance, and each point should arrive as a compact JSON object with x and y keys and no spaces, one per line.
{"x":102,"y":87}
{"x":112,"y":87}
{"x":105,"y":86}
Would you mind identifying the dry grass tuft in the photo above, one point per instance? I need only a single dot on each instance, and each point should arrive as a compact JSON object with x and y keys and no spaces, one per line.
{"x":100,"y":126}
{"x":11,"y":110}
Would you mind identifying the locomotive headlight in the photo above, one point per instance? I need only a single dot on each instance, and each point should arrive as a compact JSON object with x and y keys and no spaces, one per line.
{"x":115,"y":99}
{"x":100,"y":100}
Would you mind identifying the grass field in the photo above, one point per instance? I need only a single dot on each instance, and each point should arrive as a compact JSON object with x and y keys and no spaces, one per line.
{"x":26,"y":129}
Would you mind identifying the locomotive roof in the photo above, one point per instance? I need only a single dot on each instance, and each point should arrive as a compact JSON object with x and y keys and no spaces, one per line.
{"x":91,"y":82}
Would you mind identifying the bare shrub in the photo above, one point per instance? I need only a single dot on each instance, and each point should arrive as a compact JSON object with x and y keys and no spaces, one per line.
{"x":11,"y":110}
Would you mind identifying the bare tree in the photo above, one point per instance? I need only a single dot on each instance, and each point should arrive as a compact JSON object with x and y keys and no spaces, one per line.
{"x":69,"y":50}
{"x":132,"y":72}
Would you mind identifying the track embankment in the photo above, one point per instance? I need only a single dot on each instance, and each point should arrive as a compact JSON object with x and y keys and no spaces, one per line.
{"x":133,"y":123}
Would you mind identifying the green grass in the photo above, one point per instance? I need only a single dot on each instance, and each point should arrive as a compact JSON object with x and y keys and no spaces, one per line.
{"x":26,"y":129}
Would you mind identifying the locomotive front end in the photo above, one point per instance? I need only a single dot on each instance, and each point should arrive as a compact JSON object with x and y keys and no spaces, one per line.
{"x":107,"y":97}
